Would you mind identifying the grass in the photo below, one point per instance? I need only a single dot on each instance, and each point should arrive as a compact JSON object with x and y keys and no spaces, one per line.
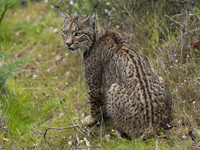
{"x":32,"y":102}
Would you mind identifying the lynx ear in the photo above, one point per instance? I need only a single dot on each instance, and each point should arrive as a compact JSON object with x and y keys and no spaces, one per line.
{"x":92,"y":15}
{"x":63,"y":13}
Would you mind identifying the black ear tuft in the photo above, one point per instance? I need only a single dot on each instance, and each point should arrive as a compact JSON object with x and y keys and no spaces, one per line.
{"x":63,"y":13}
{"x":96,"y":5}
{"x":57,"y":6}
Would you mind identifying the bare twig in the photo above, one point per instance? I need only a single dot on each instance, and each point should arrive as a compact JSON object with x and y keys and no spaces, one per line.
{"x":37,"y":130}
{"x":123,"y":5}
{"x":71,"y":117}
{"x":69,"y":127}
{"x":20,"y":51}
{"x":182,"y":15}
{"x":191,"y":31}
{"x":85,"y":133}
{"x":90,"y":131}
{"x":181,"y":36}
{"x":197,"y":81}
{"x":88,"y":147}
{"x":176,"y":22}
{"x":157,"y":137}
{"x":191,"y":122}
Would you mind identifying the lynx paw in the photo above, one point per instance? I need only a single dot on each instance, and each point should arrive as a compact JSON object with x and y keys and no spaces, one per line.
{"x":88,"y":120}
{"x":117,"y":134}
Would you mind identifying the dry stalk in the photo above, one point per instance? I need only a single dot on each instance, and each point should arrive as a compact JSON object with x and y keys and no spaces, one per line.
{"x":45,"y":133}
{"x":71,"y":117}
{"x":197,"y":81}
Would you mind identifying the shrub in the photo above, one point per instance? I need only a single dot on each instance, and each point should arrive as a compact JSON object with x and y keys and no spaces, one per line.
{"x":7,"y":70}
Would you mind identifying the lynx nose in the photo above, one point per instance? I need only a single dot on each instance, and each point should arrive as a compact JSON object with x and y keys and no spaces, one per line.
{"x":68,"y":44}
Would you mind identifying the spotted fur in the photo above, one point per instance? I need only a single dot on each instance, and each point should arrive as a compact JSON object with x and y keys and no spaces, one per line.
{"x":118,"y":78}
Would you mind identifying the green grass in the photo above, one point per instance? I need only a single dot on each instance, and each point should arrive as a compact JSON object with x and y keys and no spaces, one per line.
{"x":33,"y":101}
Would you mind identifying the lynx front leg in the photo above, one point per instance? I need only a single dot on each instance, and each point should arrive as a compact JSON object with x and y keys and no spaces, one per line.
{"x":95,"y":113}
{"x":93,"y":82}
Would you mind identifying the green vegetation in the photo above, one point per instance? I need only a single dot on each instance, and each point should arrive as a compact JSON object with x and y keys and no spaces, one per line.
{"x":7,"y":70}
{"x":165,"y":32}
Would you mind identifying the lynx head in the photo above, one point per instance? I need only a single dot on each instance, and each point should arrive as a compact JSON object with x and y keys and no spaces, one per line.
{"x":79,"y":32}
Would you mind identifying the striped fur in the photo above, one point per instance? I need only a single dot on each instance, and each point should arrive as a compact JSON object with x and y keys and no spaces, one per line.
{"x":118,"y":78}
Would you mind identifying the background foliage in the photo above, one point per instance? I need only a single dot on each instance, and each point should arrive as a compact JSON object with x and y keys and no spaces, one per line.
{"x":166,"y":32}
{"x":7,"y":70}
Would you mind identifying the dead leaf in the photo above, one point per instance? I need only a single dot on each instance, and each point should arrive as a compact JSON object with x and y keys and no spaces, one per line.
{"x":107,"y":137}
{"x":35,"y":145}
{"x":76,"y":118}
{"x":184,"y":136}
{"x":192,"y":42}
{"x":183,"y":30}
{"x":61,"y":114}
{"x":195,"y":49}
{"x":187,"y":130}
{"x":83,"y":115}
{"x":5,"y":139}
{"x":196,"y":131}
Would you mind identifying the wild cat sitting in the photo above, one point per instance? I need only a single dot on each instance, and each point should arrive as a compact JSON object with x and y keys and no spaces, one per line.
{"x":118,"y":78}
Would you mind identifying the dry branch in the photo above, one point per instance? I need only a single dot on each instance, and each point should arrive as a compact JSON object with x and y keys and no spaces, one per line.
{"x":197,"y":81}
{"x":71,"y":117}
{"x":85,"y":133}
{"x":45,"y":133}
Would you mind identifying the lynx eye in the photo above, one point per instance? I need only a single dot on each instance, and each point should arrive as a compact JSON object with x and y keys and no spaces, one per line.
{"x":65,"y":32}
{"x":78,"y":34}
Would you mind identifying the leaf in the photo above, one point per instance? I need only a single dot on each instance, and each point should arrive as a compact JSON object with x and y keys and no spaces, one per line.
{"x":195,"y":49}
{"x":196,"y":131}
{"x":5,"y":139}
{"x":184,"y":136}
{"x":187,"y":130}
{"x":61,"y":114}
{"x":35,"y":145}
{"x":192,"y":42}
